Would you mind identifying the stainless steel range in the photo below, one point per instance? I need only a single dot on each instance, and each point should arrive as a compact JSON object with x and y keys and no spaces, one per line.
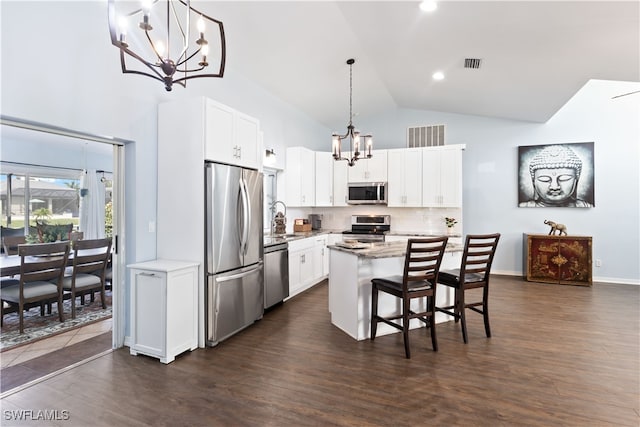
{"x":368,"y":228}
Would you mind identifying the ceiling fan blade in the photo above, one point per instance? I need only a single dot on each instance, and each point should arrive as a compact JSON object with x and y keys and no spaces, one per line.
{"x":625,"y":94}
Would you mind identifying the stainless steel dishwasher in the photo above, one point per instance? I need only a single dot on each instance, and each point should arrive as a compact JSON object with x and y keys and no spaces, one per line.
{"x":276,"y":273}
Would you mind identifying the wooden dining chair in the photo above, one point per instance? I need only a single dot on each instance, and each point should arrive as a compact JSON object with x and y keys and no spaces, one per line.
{"x":41,"y":272}
{"x":474,"y":273}
{"x":76,"y":235}
{"x":421,"y":266}
{"x":10,"y":244}
{"x":88,"y":272}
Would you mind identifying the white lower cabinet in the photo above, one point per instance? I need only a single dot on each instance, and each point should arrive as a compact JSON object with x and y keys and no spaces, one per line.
{"x":308,"y":263}
{"x":301,"y":269}
{"x":164,"y":309}
{"x":320,"y":258}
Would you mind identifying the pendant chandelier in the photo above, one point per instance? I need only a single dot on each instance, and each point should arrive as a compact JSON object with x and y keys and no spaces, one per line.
{"x":161,"y":46}
{"x":352,"y":134}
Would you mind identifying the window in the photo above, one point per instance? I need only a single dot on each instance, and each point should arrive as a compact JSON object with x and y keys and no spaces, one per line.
{"x":29,"y":192}
{"x":270,"y":180}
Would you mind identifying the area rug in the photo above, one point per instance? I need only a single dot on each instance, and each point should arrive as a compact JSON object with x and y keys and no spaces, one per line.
{"x":37,"y":327}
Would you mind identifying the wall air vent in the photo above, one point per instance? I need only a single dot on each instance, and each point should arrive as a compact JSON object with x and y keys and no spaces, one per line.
{"x":472,"y":63}
{"x":425,"y":136}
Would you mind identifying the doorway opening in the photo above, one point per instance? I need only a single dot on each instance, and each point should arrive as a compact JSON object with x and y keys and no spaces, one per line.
{"x":49,"y":173}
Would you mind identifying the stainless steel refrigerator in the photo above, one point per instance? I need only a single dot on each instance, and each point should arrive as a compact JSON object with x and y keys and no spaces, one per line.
{"x":235,"y":288}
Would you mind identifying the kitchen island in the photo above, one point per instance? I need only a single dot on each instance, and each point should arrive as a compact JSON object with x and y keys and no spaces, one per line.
{"x":350,"y":272}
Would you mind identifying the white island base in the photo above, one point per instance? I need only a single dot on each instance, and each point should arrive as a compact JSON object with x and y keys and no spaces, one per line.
{"x":350,"y":274}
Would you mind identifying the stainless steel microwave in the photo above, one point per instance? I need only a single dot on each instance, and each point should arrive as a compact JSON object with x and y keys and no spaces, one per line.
{"x":367,"y":193}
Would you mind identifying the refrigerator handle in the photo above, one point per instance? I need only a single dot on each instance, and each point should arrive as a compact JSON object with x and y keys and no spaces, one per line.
{"x":248,"y":217}
{"x":245,"y":217}
{"x":241,"y":274}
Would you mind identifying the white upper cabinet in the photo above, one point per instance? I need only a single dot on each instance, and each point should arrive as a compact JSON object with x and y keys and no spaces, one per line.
{"x":248,"y":141}
{"x":300,"y":177}
{"x":442,"y":176}
{"x":340,"y":174}
{"x":231,"y":136}
{"x":324,"y":179}
{"x":404,"y":177}
{"x":370,"y":170}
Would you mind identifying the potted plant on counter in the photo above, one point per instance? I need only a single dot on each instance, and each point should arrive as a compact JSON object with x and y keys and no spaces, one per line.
{"x":450,"y":223}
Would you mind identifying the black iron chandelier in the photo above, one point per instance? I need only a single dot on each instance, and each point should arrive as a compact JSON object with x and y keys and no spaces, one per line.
{"x":166,"y":58}
{"x":352,"y":133}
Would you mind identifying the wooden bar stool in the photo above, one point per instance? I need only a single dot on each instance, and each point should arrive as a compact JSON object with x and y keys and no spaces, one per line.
{"x":473,"y":273}
{"x":421,"y":265}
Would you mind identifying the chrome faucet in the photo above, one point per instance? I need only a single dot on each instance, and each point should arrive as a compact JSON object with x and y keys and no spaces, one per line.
{"x":273,"y":213}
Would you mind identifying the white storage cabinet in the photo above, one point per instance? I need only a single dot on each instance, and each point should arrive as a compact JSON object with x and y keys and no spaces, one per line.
{"x":442,"y":176}
{"x":231,"y":136}
{"x":299,"y":177}
{"x":370,"y":170}
{"x":340,"y":179}
{"x":164,"y":308}
{"x":324,"y":179}
{"x":405,"y":177}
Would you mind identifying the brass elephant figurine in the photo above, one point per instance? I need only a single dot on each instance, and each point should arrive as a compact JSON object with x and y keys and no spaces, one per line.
{"x":561,"y":228}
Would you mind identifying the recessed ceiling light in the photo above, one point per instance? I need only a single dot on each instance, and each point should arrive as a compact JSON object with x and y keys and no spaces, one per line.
{"x":428,"y":6}
{"x":438,"y":75}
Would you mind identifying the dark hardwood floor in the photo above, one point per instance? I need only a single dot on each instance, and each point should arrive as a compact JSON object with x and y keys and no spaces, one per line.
{"x":559,"y":356}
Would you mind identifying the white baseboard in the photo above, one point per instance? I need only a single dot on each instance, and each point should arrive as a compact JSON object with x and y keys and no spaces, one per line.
{"x":598,"y":279}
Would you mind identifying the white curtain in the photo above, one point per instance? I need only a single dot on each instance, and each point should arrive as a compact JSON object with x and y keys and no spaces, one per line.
{"x":92,"y":196}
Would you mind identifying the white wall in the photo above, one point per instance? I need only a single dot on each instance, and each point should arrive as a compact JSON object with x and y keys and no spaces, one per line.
{"x":490,"y":174}
{"x":34,"y":147}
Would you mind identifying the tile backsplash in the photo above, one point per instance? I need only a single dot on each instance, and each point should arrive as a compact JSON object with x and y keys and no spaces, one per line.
{"x":427,"y":220}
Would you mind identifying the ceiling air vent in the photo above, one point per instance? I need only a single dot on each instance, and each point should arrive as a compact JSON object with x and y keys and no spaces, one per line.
{"x":425,"y":136}
{"x":472,"y":63}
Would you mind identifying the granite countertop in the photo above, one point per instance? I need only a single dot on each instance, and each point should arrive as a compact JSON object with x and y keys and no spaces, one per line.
{"x":385,"y":250}
{"x":275,"y":239}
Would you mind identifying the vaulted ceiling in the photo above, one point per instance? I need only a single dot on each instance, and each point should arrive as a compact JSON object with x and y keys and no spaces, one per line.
{"x":535,"y":55}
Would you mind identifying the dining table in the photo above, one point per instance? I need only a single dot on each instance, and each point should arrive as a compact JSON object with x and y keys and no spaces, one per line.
{"x":9,"y":265}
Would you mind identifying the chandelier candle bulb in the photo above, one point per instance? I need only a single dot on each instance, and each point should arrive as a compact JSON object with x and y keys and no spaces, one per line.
{"x":356,"y":143}
{"x":122,"y":26}
{"x":205,"y":51}
{"x":335,"y":146}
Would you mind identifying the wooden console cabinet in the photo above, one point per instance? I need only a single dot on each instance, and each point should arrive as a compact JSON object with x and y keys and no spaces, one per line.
{"x":564,"y":260}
